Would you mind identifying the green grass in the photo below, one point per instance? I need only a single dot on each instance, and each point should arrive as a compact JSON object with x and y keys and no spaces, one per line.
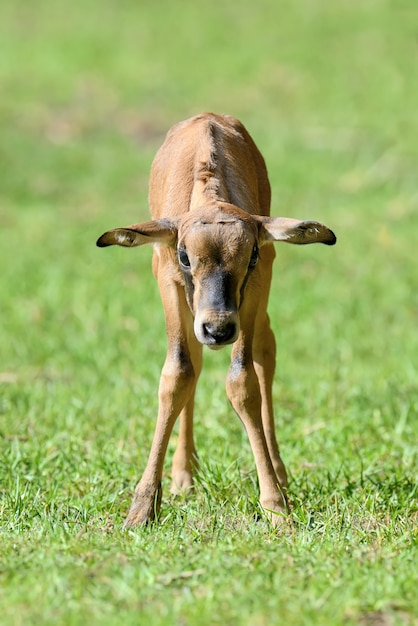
{"x":328,"y":90}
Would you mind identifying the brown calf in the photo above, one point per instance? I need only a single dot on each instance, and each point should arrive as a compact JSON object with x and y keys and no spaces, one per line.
{"x":210,"y":201}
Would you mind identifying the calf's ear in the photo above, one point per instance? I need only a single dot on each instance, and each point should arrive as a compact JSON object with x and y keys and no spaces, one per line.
{"x":156,"y":231}
{"x":294,"y":231}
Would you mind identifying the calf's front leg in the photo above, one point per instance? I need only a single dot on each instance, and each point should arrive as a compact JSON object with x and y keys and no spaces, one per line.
{"x":244,"y":394}
{"x":176,"y":385}
{"x":176,"y":390}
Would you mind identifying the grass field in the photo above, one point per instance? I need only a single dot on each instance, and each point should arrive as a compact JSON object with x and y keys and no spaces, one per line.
{"x":329,"y":92}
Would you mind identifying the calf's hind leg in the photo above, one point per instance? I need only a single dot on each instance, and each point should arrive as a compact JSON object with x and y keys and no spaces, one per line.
{"x":185,"y":457}
{"x":264,"y":355}
{"x":264,"y":348}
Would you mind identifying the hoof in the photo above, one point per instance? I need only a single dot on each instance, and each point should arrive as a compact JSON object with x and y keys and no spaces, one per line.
{"x":182,"y":482}
{"x":277,"y":510}
{"x":145,"y":506}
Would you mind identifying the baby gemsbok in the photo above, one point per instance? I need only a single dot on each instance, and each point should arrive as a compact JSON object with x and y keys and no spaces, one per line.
{"x":212,"y":235}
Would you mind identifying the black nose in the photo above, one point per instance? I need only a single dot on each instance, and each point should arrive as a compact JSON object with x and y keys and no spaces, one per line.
{"x":219,"y":334}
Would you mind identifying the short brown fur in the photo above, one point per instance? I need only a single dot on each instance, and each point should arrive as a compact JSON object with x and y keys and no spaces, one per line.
{"x":212,"y":234}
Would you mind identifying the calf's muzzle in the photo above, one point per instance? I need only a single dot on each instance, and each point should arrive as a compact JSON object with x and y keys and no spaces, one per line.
{"x":216,"y":328}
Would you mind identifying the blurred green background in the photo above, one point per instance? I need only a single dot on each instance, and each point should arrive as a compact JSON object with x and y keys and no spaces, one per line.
{"x":328,"y":90}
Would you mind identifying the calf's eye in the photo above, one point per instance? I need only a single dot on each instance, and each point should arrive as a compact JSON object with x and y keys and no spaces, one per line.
{"x":183,"y":258}
{"x":254,"y":257}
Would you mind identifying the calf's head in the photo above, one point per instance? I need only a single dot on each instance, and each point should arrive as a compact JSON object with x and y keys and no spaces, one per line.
{"x":217,"y":249}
